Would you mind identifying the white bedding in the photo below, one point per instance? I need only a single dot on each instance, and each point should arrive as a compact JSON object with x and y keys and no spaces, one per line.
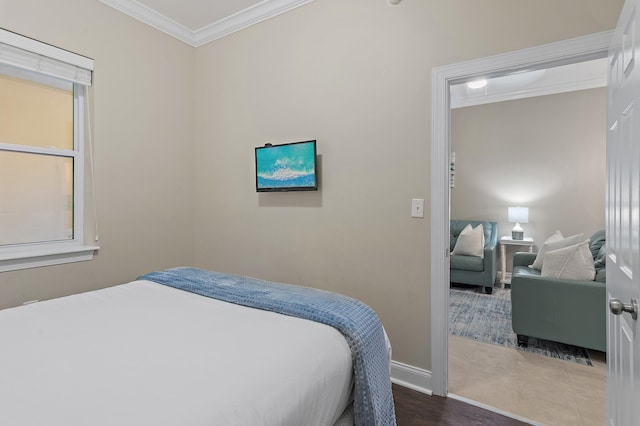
{"x":146,"y":354}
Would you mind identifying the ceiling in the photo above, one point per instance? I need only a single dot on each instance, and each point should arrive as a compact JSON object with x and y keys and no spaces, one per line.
{"x":567,"y":78}
{"x":197,"y":22}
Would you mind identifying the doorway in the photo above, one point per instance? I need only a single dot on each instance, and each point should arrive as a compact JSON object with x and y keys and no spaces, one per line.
{"x":512,"y":138}
{"x":561,"y":53}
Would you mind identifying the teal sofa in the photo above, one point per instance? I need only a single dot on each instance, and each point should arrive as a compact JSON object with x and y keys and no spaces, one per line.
{"x":573,"y":312}
{"x":472,"y":269}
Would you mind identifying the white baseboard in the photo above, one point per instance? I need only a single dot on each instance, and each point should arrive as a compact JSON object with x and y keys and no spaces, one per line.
{"x":411,"y":377}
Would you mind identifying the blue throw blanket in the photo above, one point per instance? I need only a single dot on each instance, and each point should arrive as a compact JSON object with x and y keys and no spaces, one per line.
{"x":373,"y":400}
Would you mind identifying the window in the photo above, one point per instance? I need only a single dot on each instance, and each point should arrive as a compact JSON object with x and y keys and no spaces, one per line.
{"x":42,"y":132}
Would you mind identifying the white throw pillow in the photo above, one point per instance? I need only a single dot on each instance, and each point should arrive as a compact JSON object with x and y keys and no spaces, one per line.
{"x":470,"y":242}
{"x":538,"y":261}
{"x":570,"y":263}
{"x":555,"y":236}
{"x":554,"y":245}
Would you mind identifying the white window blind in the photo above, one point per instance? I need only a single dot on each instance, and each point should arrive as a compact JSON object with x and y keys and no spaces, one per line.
{"x":32,"y":55}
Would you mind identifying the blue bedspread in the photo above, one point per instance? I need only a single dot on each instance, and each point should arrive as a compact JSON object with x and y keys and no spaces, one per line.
{"x":373,"y":400}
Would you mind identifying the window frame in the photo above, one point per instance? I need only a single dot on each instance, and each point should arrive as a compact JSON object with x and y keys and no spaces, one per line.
{"x":47,"y":253}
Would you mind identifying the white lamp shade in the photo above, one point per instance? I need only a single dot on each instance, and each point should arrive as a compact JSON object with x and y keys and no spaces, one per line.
{"x":519,"y":214}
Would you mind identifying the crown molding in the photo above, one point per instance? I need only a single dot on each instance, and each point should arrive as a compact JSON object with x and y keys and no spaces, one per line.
{"x":262,"y":11}
{"x":152,"y":18}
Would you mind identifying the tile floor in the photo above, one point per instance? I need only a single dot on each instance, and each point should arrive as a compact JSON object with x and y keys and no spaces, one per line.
{"x":546,"y":390}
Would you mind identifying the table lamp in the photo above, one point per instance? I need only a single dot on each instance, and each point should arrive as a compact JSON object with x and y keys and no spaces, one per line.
{"x":518,"y":215}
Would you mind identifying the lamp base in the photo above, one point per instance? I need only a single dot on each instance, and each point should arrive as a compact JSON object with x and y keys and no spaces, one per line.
{"x":517,"y":233}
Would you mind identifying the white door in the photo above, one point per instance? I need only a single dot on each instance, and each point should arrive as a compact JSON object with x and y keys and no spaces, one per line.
{"x":623,"y":221}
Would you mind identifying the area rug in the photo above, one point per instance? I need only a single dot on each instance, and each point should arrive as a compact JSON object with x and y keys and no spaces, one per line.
{"x":487,"y":318}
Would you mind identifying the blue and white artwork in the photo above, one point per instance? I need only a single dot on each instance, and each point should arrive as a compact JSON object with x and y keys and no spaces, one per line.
{"x":289,"y":166}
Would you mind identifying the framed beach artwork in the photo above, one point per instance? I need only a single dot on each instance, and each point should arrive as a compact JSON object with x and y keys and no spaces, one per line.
{"x":286,"y":167}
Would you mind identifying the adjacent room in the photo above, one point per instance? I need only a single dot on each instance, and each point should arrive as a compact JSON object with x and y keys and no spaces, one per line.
{"x":156,"y":154}
{"x":525,"y":145}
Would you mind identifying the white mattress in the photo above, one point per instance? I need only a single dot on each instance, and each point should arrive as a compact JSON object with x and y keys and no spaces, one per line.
{"x":146,"y":354}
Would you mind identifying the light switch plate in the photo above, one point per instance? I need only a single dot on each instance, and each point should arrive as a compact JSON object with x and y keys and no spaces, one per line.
{"x":417,"y":207}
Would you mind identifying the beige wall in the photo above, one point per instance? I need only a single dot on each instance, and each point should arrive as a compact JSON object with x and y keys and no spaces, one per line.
{"x":355,"y":75}
{"x":546,"y":153}
{"x":143,"y":129}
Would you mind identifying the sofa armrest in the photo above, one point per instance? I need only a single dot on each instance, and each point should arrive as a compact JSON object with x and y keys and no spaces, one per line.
{"x":567,"y":311}
{"x":523,"y":258}
{"x":539,"y":283}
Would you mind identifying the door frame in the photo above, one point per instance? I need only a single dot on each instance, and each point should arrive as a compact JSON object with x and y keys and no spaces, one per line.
{"x":594,"y":46}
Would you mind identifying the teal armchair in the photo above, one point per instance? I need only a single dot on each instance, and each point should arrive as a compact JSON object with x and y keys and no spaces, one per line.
{"x":471,"y":269}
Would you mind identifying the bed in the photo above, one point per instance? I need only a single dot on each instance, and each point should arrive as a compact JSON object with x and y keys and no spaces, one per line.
{"x":150,"y":353}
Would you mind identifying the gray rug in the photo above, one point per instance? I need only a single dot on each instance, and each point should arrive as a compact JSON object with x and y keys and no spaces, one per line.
{"x":487,"y":318}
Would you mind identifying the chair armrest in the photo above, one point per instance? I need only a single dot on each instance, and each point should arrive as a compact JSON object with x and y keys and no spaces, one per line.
{"x":523,"y":258}
{"x":491,"y":259}
{"x":493,"y":240}
{"x":491,"y":247}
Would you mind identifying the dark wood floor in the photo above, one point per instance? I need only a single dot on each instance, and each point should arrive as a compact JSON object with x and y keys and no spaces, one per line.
{"x":415,"y":408}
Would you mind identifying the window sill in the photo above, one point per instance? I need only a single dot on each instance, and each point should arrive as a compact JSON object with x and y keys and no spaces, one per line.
{"x":45,"y":257}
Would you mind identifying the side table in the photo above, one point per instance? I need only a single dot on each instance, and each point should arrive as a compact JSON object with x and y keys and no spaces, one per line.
{"x":508,"y":241}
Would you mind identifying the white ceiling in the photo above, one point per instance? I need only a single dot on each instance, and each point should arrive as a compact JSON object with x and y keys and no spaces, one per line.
{"x":197,"y":14}
{"x":197,"y":22}
{"x":567,"y":78}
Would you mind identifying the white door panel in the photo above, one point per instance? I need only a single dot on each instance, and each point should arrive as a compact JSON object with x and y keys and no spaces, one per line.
{"x":623,"y":221}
